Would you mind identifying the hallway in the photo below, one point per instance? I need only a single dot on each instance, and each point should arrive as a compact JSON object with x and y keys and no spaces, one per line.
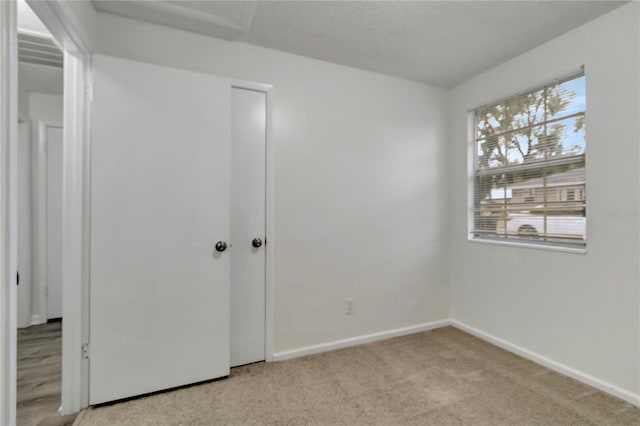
{"x":39,"y":376}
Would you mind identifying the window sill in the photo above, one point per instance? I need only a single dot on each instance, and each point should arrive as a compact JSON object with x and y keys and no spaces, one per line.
{"x":529,"y":246}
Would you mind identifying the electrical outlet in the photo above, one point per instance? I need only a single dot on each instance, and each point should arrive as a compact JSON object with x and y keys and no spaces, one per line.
{"x":349,"y":306}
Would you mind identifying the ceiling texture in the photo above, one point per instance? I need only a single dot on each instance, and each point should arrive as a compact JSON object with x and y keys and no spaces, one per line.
{"x":442,"y":43}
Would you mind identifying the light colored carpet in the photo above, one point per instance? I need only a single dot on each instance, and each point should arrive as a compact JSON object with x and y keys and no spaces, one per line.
{"x":439,"y":377}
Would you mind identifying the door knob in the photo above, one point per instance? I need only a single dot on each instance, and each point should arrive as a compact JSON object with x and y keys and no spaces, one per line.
{"x":221,"y":246}
{"x":257,"y":242}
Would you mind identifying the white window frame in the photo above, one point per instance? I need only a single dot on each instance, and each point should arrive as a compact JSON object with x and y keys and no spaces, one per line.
{"x":472,"y":162}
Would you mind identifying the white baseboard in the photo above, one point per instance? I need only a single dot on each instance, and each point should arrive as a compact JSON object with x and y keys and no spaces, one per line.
{"x":359,"y":340}
{"x":551,"y":364}
{"x":525,"y":353}
{"x":35,"y":319}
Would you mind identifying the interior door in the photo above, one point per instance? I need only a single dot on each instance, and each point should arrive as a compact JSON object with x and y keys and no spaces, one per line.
{"x":248,"y":155}
{"x":53,"y":143}
{"x":160,"y":195}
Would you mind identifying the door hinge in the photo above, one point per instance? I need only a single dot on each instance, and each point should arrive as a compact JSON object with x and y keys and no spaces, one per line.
{"x":85,"y":350}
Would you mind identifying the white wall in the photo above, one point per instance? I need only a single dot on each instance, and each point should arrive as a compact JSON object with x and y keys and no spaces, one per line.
{"x":84,"y":14}
{"x":360,"y":183}
{"x":47,"y":108}
{"x":578,"y":310}
{"x":34,"y":78}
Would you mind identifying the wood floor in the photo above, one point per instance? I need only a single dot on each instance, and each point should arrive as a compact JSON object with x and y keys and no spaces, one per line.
{"x":39,"y":376}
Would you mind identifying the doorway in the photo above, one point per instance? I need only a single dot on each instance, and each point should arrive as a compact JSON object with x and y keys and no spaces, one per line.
{"x":69,"y":38}
{"x":40,"y":222}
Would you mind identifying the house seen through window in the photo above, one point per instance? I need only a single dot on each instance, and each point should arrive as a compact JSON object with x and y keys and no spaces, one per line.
{"x":529,"y":177}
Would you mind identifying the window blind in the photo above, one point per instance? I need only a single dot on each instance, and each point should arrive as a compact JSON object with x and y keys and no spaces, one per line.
{"x":529,"y":177}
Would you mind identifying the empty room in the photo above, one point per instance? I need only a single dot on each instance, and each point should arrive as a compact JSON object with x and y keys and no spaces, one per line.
{"x":319,"y":213}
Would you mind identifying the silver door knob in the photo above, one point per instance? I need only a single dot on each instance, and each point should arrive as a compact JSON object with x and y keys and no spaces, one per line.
{"x":257,"y":242}
{"x":221,"y":246}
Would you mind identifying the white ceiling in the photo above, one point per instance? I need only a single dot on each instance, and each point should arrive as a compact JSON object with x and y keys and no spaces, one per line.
{"x":436,"y":42}
{"x":29,"y":23}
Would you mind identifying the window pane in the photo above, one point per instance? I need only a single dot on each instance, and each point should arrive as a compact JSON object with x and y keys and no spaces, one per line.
{"x":566,"y":137}
{"x":525,"y":110}
{"x":544,"y":204}
{"x":489,"y":121}
{"x":526,"y":145}
{"x":562,"y":138}
{"x":492,"y":152}
{"x":515,"y":147}
{"x":566,"y":99}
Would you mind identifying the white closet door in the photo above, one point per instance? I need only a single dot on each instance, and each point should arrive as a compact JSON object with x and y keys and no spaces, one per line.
{"x":160,"y":200}
{"x":248,"y":224}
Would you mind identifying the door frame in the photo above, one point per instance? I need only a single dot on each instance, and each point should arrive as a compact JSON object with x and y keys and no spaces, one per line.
{"x":8,"y":209}
{"x":70,"y":35}
{"x":269,"y":246}
{"x":76,"y":44}
{"x":39,"y":211}
{"x":68,"y":32}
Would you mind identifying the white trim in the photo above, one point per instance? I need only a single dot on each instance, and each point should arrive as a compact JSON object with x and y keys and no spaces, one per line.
{"x":550,"y":364}
{"x":251,"y":85}
{"x":75,"y":285}
{"x":269,"y":246}
{"x":359,"y":340}
{"x":547,"y":247}
{"x":35,"y":320}
{"x":63,"y":25}
{"x":84,"y":90}
{"x":270,"y":236}
{"x":8,"y":210}
{"x":471,"y":162}
{"x":71,"y":35}
{"x":525,"y":353}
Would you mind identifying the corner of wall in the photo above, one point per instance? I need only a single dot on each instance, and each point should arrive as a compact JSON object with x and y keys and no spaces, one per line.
{"x":449,"y":249}
{"x":449,"y":256}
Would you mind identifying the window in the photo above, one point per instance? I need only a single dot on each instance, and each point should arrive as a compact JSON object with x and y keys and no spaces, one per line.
{"x":529,"y":174}
{"x":529,"y":195}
